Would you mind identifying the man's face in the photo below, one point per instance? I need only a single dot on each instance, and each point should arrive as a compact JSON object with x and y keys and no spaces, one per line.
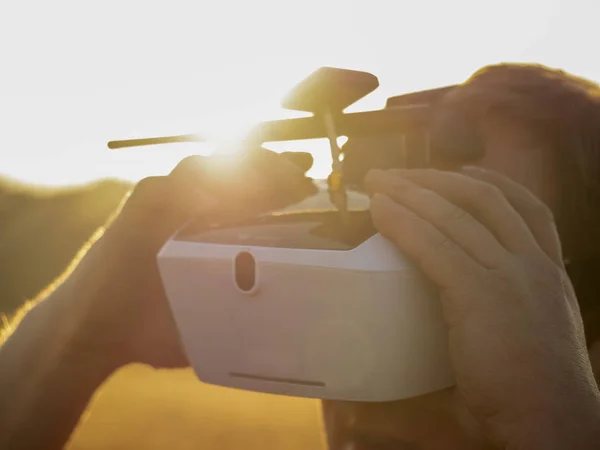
{"x":440,"y":421}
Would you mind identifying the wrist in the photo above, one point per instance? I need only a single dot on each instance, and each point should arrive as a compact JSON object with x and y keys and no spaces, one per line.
{"x":76,"y":340}
{"x":76,"y":307}
{"x":46,"y":379}
{"x":573,"y":425}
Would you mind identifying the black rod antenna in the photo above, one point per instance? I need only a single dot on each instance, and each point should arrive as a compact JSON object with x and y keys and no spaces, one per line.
{"x":394,"y":120}
{"x":113,"y":145}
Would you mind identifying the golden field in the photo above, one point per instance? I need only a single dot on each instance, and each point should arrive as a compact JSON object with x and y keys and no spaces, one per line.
{"x":148,"y":409}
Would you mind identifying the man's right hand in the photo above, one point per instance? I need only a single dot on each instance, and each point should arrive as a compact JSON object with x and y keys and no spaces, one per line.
{"x":125,"y":314}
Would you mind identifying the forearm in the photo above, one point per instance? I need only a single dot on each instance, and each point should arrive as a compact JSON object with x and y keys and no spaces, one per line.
{"x":573,"y":423}
{"x":48,"y":373}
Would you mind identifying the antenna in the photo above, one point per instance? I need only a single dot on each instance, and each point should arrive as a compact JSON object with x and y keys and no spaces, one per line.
{"x":394,"y":120}
{"x":325,"y":93}
{"x":114,"y":145}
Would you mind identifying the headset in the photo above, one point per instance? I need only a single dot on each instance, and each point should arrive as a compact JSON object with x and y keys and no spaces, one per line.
{"x":309,"y":300}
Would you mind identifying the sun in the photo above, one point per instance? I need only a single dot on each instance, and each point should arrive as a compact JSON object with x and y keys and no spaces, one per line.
{"x":217,"y":67}
{"x":222,"y":130}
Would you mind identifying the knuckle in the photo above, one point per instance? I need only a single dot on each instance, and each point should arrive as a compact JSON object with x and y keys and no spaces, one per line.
{"x":442,"y":245}
{"x":482,"y":175}
{"x":147,"y":186}
{"x":540,"y":210}
{"x":146,"y":202}
{"x":369,"y":182}
{"x":391,"y":221}
{"x":382,"y":217}
{"x":454,"y":214}
{"x":534,"y":211}
{"x":487,"y":192}
{"x":189,"y":163}
{"x":550,"y":284}
{"x":377,"y":181}
{"x":542,"y":266}
{"x":430,"y":172}
{"x":506,"y":283}
{"x":151,"y":194}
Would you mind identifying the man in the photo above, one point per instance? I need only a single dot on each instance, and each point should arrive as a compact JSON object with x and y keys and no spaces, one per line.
{"x":486,"y":236}
{"x":541,"y":128}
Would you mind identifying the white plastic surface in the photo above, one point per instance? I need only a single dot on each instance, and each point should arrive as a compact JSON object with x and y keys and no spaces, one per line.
{"x":355,"y":324}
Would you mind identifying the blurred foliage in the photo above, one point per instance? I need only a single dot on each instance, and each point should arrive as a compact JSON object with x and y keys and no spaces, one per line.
{"x":41,"y":230}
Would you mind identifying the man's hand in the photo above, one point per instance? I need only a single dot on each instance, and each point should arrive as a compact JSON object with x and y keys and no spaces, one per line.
{"x":109,"y":309}
{"x":515,"y":332}
{"x":129,"y":316}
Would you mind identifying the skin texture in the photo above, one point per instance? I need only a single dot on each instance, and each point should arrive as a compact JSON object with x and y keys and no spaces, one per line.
{"x":488,"y":240}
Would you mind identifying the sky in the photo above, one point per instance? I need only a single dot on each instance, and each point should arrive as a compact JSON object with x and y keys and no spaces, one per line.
{"x":76,"y":74}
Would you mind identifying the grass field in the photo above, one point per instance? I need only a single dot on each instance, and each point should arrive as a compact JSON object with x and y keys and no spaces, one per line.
{"x":141,"y":408}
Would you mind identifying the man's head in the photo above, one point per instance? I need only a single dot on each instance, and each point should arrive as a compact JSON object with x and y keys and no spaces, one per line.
{"x":540,"y":127}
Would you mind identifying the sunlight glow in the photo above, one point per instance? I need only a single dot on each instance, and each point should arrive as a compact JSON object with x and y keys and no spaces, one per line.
{"x":172,"y":73}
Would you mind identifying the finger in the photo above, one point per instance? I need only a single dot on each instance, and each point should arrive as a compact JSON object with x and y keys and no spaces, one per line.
{"x":282,"y":175}
{"x":484,"y":201}
{"x":441,"y":260}
{"x":223,"y":176}
{"x":234,"y":182}
{"x":154,"y":210}
{"x":193,"y":181}
{"x":253,"y":181}
{"x":535,"y":213}
{"x":452,"y":221}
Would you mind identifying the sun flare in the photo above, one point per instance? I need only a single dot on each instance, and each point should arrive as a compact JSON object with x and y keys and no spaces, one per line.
{"x":219,"y":67}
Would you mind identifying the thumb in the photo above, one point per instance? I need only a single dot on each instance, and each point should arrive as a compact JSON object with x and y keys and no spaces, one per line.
{"x":155,"y":209}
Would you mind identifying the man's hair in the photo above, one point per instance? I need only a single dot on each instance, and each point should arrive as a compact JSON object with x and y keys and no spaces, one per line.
{"x":563,"y":113}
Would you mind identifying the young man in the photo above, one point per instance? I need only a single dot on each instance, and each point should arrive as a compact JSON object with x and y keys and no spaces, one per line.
{"x":494,"y":251}
{"x":486,"y":236}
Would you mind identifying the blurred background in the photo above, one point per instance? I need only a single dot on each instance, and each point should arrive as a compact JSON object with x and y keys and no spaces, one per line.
{"x":76,"y":74}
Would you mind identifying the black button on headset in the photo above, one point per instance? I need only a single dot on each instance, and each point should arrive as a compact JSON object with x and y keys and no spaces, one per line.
{"x":245,"y":271}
